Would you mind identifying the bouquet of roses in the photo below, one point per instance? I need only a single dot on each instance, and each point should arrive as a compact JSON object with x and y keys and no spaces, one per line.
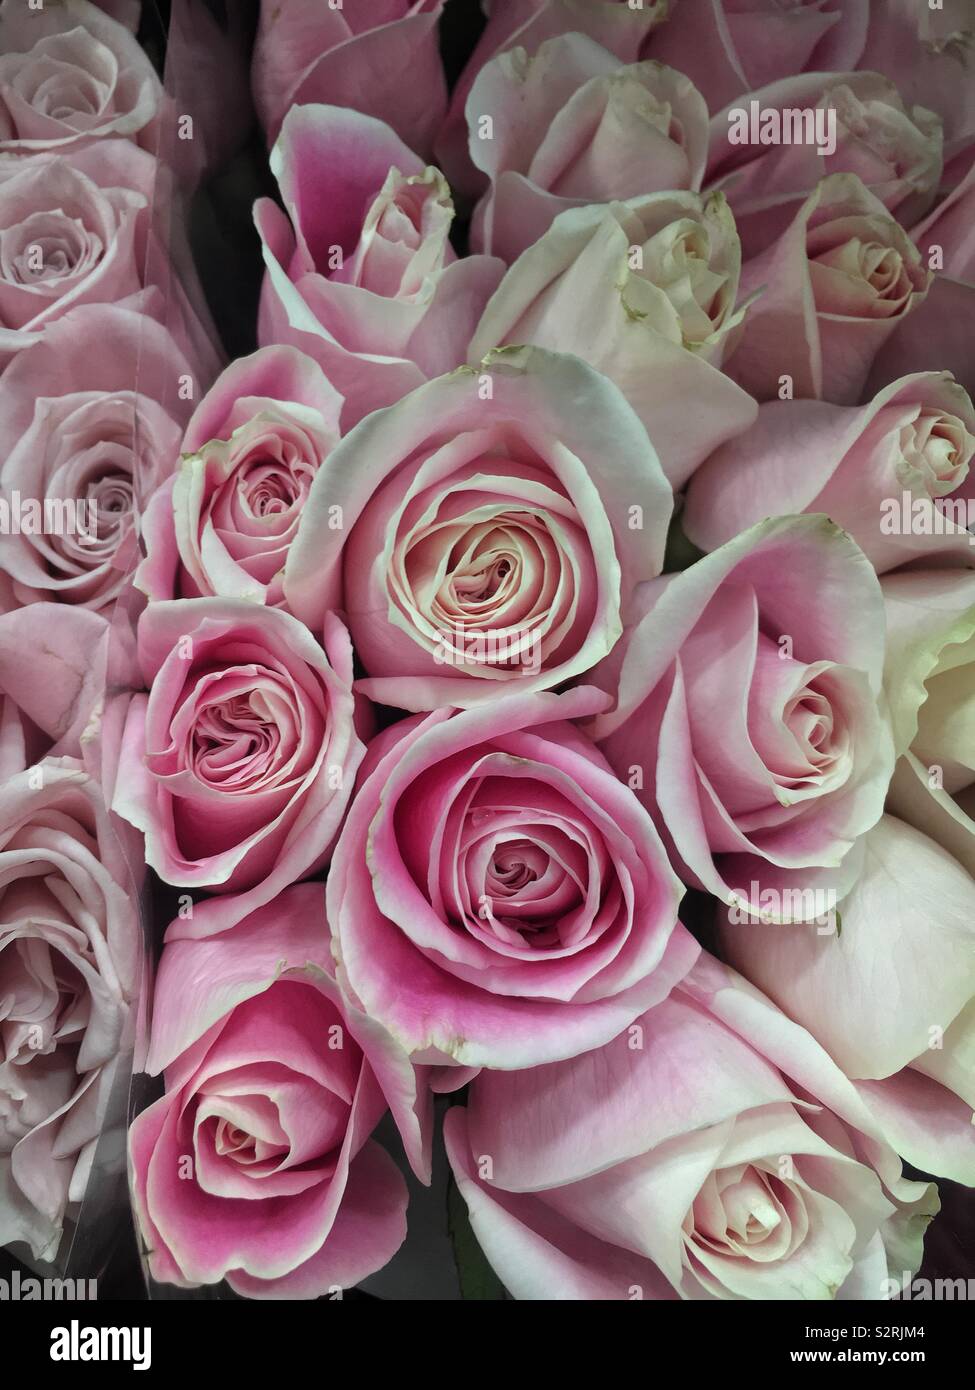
{"x":537,"y":669}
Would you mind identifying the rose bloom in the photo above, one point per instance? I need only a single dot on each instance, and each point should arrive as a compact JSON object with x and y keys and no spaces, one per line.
{"x":929,"y":681}
{"x":69,"y":954}
{"x":69,"y":73}
{"x":728,"y":48}
{"x":927,"y":52}
{"x":893,"y":1001}
{"x":486,"y":533}
{"x":497,"y":898}
{"x":865,"y":466}
{"x":256,"y":1164}
{"x":835,"y":286}
{"x":360,"y":273}
{"x":894,"y":149}
{"x":711,"y":1151}
{"x":572,"y":126}
{"x":79,"y":440}
{"x":72,"y":231}
{"x":239,"y":763}
{"x":381,"y":57}
{"x":224,"y":522}
{"x":748,"y":711}
{"x":646,"y":292}
{"x":618,"y":26}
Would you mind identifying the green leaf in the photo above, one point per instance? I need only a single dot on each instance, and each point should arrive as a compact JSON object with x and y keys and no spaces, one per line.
{"x":477,"y":1279}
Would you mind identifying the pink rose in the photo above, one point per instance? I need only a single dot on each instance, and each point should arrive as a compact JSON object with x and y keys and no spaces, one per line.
{"x":747,"y":715}
{"x":646,"y":292}
{"x":894,"y":150}
{"x":930,"y":683}
{"x":83,"y":445}
{"x":877,"y":470}
{"x":381,"y":57}
{"x":69,"y":956}
{"x":360,"y":272}
{"x":69,"y":73}
{"x":621,"y":27}
{"x":486,"y":534}
{"x":892,"y":1000}
{"x":928,"y":53}
{"x":497,"y":897}
{"x":72,"y":231}
{"x":572,"y":126}
{"x":47,"y":702}
{"x":239,"y":764}
{"x":711,"y":1151}
{"x":224,"y":522}
{"x":256,"y":1164}
{"x":835,"y":286}
{"x":730,"y":47}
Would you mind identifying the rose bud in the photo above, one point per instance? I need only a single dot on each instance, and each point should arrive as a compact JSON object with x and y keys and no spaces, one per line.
{"x":572,"y":126}
{"x":497,"y":897}
{"x":619,"y":26}
{"x":835,"y":286}
{"x":224,"y":522}
{"x":710,"y":1151}
{"x":896,"y":151}
{"x":748,"y":716}
{"x":239,"y":764}
{"x":494,"y":527}
{"x":645,"y":291}
{"x":877,"y":470}
{"x":360,"y":273}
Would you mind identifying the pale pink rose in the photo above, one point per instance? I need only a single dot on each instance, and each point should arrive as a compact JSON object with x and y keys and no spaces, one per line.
{"x":69,"y":73}
{"x":256,"y":1165}
{"x":69,"y":958}
{"x":90,"y":425}
{"x":835,"y":286}
{"x":893,"y":999}
{"x":50,"y":690}
{"x":646,"y":292}
{"x":381,"y":57}
{"x":711,"y":1151}
{"x":728,"y":48}
{"x":905,"y":460}
{"x":239,"y":764}
{"x":748,"y":714}
{"x":360,"y":273}
{"x":224,"y":521}
{"x":895,"y":150}
{"x":927,"y":50}
{"x":570,"y":126}
{"x":486,"y":534}
{"x":497,"y":897}
{"x":929,"y":676}
{"x":618,"y":25}
{"x":73,"y":230}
